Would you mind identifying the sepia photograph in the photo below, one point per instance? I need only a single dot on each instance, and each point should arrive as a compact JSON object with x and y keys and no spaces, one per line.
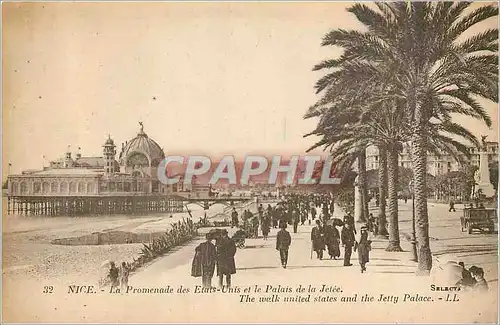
{"x":250,"y":162}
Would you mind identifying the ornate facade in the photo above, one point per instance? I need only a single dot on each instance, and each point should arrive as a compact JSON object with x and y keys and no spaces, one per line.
{"x":436,"y":164}
{"x":97,"y":185}
{"x":133,"y":173}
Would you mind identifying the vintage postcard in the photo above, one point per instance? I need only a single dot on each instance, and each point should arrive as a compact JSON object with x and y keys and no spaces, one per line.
{"x":249,"y":162}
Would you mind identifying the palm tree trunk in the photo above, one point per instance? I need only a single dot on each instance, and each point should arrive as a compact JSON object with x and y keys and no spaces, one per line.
{"x":392,"y":171}
{"x":363,"y":186}
{"x":419,"y":157}
{"x":382,"y":185}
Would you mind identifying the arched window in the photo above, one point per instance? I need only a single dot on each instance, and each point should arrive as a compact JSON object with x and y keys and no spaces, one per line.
{"x":138,"y":159}
{"x":90,"y":188}
{"x":46,"y":187}
{"x":24,"y":188}
{"x":37,"y":187}
{"x":14,"y":188}
{"x":81,"y":187}
{"x":72,"y":187}
{"x":64,"y":187}
{"x":53,"y":187}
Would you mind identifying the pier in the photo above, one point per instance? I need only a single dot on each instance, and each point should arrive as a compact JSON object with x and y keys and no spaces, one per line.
{"x":93,"y":205}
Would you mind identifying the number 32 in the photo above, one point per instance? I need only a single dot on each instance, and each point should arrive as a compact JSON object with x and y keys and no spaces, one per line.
{"x":48,"y":289}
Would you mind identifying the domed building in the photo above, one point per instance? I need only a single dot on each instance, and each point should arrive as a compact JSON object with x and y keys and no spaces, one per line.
{"x":99,"y":184}
{"x":141,"y":156}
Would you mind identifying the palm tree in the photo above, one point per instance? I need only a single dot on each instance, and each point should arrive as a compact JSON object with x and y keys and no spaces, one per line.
{"x":382,"y":185}
{"x":363,"y":184}
{"x":438,"y":71}
{"x":348,"y":124}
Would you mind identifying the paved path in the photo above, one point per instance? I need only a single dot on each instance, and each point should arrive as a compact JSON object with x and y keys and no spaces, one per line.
{"x":390,"y":274}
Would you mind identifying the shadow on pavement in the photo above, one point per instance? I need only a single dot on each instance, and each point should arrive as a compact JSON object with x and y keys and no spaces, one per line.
{"x":257,"y":268}
{"x":254,"y":246}
{"x":456,"y":249}
{"x":394,"y":272}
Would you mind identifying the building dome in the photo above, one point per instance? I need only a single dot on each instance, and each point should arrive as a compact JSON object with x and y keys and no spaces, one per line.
{"x":141,"y":151}
{"x":109,"y":141}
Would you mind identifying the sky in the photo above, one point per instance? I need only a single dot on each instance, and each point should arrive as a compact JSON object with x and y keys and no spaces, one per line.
{"x":204,"y":78}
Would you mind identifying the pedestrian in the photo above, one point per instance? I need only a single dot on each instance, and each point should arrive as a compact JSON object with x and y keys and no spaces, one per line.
{"x":363,"y":246}
{"x":226,"y":249}
{"x":204,"y":261}
{"x":467,"y":280}
{"x":332,"y":238}
{"x":303,"y":214}
{"x":266,"y":226}
{"x":283,"y":241}
{"x":348,"y":240}
{"x":255,"y":227}
{"x":275,"y":216}
{"x":234,"y":218}
{"x":371,"y":222}
{"x":478,"y":274}
{"x":326,"y":213}
{"x":375,"y":226}
{"x":317,"y":239}
{"x":113,"y":275}
{"x":313,"y":214}
{"x":260,"y":211}
{"x":452,"y":206}
{"x":350,"y":220}
{"x":124,"y":273}
{"x":295,"y":220}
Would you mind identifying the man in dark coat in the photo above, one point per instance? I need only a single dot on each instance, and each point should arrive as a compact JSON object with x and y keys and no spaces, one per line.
{"x":350,"y":220}
{"x":326,"y":213}
{"x":295,"y":220}
{"x":260,"y":210}
{"x":348,"y":240}
{"x":113,"y":275}
{"x":226,"y":249}
{"x":318,"y":240}
{"x":283,"y":241}
{"x":204,"y":262}
{"x":313,"y":213}
{"x":275,"y":216}
{"x":255,"y":227}
{"x":234,"y":218}
{"x":467,"y":279}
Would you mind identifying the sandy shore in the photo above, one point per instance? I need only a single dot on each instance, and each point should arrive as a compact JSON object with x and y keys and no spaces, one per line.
{"x":28,"y":254}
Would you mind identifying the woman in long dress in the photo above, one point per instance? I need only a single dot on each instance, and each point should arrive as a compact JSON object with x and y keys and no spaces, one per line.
{"x":363,"y":245}
{"x":266,"y":225}
{"x":332,"y":237}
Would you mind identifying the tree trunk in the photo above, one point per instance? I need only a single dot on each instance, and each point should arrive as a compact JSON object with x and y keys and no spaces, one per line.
{"x":419,"y":159}
{"x":363,"y":186}
{"x":382,"y":185}
{"x":392,"y":171}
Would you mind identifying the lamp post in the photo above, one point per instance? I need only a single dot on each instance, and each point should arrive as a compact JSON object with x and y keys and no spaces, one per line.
{"x":413,"y":236}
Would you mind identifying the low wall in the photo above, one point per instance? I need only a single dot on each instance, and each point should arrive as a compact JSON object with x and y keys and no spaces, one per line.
{"x":109,"y":238}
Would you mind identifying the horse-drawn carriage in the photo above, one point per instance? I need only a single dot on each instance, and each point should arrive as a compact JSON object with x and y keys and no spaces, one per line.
{"x":482,"y":219}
